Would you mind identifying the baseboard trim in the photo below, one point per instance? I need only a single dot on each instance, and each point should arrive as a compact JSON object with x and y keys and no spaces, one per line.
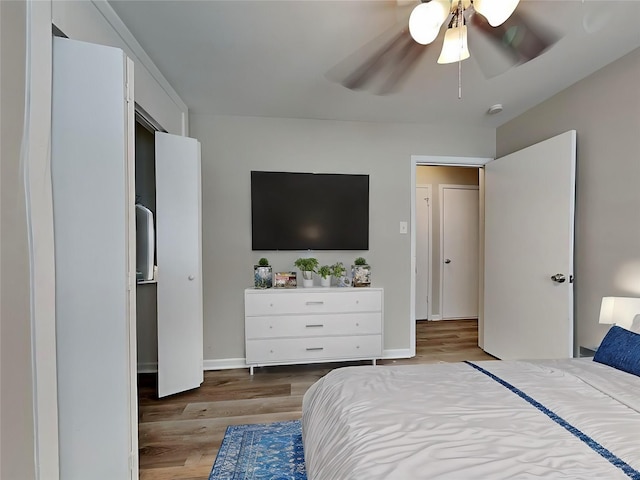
{"x":231,"y":363}
{"x":225,"y":364}
{"x":397,"y":353}
{"x":436,"y":317}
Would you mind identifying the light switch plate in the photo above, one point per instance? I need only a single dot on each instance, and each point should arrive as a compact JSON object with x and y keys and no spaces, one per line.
{"x":403,"y":227}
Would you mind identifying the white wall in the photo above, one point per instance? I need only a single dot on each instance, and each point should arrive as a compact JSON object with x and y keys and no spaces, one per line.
{"x":233,"y":146}
{"x":604,"y":108}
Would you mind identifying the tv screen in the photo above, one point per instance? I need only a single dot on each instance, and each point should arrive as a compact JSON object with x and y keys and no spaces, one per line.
{"x":309,"y":211}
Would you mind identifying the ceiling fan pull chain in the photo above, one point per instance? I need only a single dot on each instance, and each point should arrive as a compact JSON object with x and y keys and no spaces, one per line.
{"x":460,"y":19}
{"x":459,"y":79}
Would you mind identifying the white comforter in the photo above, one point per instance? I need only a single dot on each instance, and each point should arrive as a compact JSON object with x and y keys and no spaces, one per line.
{"x":452,"y":421}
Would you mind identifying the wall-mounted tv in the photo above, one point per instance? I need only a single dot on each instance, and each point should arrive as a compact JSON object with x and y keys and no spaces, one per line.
{"x":309,"y":211}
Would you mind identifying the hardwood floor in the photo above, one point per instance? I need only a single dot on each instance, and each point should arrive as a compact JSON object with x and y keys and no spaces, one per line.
{"x":179,"y":436}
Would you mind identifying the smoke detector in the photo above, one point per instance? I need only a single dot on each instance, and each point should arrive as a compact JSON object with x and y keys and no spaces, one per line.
{"x":494,"y":109}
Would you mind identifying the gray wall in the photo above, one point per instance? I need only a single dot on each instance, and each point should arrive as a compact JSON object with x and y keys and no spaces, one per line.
{"x":436,"y":176}
{"x":233,"y":146}
{"x":604,"y":108}
{"x":96,"y":22}
{"x":16,"y":414}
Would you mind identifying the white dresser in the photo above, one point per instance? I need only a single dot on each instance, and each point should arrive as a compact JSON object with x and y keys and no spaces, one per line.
{"x":310,"y":325}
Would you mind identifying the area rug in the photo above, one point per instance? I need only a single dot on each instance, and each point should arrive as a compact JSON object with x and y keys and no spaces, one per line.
{"x":271,"y":451}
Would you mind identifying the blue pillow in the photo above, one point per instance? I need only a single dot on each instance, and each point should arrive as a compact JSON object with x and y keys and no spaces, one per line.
{"x":620,"y":349}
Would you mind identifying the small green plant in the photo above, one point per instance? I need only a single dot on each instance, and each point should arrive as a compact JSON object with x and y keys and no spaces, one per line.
{"x":263,"y":262}
{"x":324,"y":271}
{"x":338,"y":270}
{"x":360,"y":261}
{"x":306,"y":264}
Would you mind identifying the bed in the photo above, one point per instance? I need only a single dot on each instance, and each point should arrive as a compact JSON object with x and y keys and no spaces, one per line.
{"x":560,"y":419}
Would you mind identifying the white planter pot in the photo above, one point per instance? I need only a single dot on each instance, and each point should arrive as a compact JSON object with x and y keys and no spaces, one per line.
{"x":307,"y":282}
{"x":325,"y":282}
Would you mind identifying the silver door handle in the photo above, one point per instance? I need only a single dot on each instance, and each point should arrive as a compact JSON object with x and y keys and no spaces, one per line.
{"x":558,"y":278}
{"x":191,"y":278}
{"x":447,"y":260}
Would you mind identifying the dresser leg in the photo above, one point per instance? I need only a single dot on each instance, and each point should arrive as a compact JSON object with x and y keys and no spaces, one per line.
{"x":251,"y":370}
{"x":373,"y":362}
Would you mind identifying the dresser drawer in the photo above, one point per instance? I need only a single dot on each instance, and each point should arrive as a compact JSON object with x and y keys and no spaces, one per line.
{"x":299,"y":350}
{"x":314,"y":325}
{"x":302,"y":303}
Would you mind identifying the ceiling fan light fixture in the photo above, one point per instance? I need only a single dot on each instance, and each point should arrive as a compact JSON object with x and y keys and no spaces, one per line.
{"x":426,"y":19}
{"x":454,"y":48}
{"x":495,"y":11}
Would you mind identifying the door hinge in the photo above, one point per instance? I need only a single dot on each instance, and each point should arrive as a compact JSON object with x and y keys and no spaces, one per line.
{"x":128,"y":93}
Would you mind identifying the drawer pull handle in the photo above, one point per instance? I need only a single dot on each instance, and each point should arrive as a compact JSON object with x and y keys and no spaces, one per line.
{"x":317,"y":325}
{"x":314,"y":349}
{"x":315,"y":303}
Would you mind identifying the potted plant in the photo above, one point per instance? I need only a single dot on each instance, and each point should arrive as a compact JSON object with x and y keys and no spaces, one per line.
{"x":325,"y":275}
{"x":338,"y":271}
{"x":307,"y":266}
{"x":262,"y":274}
{"x":361,"y":273}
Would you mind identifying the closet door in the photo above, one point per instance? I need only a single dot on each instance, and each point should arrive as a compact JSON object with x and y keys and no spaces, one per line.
{"x":93,"y":201}
{"x":178,"y":219}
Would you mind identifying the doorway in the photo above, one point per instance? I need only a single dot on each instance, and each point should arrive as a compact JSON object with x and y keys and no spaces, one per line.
{"x":530,"y":199}
{"x":441,"y":161}
{"x":146,"y":290}
{"x":446,"y":230}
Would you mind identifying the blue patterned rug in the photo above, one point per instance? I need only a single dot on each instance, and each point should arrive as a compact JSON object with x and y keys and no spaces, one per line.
{"x":271,"y":451}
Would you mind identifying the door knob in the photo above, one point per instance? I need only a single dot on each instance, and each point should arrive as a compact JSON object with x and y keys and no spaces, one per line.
{"x":558,"y":278}
{"x":447,"y":260}
{"x":191,"y":277}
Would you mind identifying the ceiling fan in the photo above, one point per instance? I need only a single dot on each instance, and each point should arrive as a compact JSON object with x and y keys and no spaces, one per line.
{"x":387,"y":60}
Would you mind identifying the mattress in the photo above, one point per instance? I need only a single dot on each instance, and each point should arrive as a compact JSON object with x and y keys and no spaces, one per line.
{"x":563,"y":419}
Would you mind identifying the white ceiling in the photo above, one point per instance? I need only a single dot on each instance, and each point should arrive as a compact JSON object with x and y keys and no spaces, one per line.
{"x":272,"y":58}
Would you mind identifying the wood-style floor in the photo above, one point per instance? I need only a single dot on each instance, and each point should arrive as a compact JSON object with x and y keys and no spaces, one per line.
{"x":179,"y":436}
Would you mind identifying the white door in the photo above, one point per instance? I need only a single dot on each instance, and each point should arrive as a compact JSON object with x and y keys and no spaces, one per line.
{"x":459,"y":251}
{"x":179,"y":254}
{"x":423,"y":252}
{"x":94,"y":224}
{"x":529,"y":208}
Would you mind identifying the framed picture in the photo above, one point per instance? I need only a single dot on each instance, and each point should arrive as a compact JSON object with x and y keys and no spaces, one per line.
{"x":285,"y":280}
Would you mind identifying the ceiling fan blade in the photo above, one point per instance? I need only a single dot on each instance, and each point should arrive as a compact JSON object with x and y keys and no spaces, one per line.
{"x":519,"y":38}
{"x":405,"y":61}
{"x":369,"y":63}
{"x":372,"y":64}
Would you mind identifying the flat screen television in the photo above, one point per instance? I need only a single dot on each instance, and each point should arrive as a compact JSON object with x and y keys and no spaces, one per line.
{"x":309,"y":211}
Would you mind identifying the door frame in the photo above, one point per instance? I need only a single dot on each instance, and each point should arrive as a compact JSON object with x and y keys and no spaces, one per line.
{"x":438,"y":160}
{"x":429,"y":188}
{"x":441,"y":189}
